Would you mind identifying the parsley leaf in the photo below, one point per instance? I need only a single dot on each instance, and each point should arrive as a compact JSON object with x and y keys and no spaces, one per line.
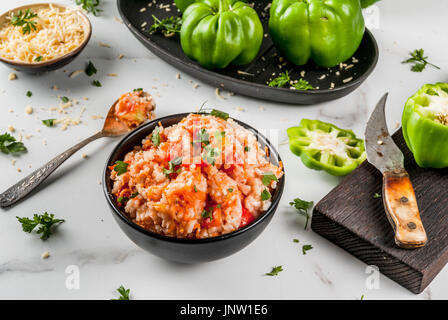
{"x":155,"y":138}
{"x":230,"y":190}
{"x":203,"y":137}
{"x":376,"y":196}
{"x":8,"y":144}
{"x":65,"y":99}
{"x":168,"y":26}
{"x":171,"y":166}
{"x":49,"y":122}
{"x":302,"y":84}
{"x":303,"y":207}
{"x":24,"y":20}
{"x":124,"y":293}
{"x":419,"y":60}
{"x":306,"y":247}
{"x":29,"y":94}
{"x":281,"y":80}
{"x":96,"y":83}
{"x":207,"y":214}
{"x":275,"y":271}
{"x":265,"y":195}
{"x":219,"y":114}
{"x":44,"y":223}
{"x":38,"y":59}
{"x":90,"y":6}
{"x":246,"y":149}
{"x":90,"y":69}
{"x":295,"y":240}
{"x":268,"y":177}
{"x":120,"y":167}
{"x":209,"y":155}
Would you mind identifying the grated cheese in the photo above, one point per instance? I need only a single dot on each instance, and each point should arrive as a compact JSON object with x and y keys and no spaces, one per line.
{"x":59,"y":31}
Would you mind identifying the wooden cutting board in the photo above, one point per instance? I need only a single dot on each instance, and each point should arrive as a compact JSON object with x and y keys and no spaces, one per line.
{"x":350,"y":217}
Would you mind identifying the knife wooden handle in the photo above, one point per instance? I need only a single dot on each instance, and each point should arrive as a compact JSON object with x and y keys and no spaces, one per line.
{"x":402,"y":210}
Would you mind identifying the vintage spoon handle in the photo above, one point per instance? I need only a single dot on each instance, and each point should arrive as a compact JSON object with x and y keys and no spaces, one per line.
{"x":29,"y":183}
{"x":402,"y":210}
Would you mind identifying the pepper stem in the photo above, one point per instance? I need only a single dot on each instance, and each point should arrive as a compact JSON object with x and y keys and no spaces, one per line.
{"x":223,"y":5}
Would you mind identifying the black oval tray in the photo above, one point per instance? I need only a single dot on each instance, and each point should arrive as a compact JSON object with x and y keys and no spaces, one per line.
{"x":250,"y":80}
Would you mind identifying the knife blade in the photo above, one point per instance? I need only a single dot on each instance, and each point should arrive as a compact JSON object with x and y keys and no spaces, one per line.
{"x":399,"y":199}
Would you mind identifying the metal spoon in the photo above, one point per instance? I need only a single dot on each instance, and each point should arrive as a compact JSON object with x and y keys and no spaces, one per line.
{"x":112,"y":128}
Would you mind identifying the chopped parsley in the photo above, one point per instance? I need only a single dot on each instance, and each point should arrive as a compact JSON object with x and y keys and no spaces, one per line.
{"x":122,"y":200}
{"x":284,"y":80}
{"x":8,"y":144}
{"x":207,"y":213}
{"x":268,"y":177}
{"x":90,"y":6}
{"x":90,"y":69}
{"x":209,"y":155}
{"x":265,"y":195}
{"x":275,"y":271}
{"x":168,"y":26}
{"x":303,"y":207}
{"x":281,"y":80}
{"x":230,"y":190}
{"x":29,"y":94}
{"x":219,"y":114}
{"x":155,"y":138}
{"x":24,"y":20}
{"x":38,"y":59}
{"x":302,"y":84}
{"x":120,"y":167}
{"x":138,"y":89}
{"x":65,"y":99}
{"x":376,"y":196}
{"x":124,"y":293}
{"x":49,"y":122}
{"x":172,"y":165}
{"x":195,"y":189}
{"x":134,"y":195}
{"x":203,"y":137}
{"x":295,"y":240}
{"x":418,"y":60}
{"x":246,"y":149}
{"x":96,"y":83}
{"x":45,"y":223}
{"x":306,"y":247}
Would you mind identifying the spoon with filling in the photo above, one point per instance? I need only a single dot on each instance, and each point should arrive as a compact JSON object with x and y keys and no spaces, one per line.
{"x":131,"y":110}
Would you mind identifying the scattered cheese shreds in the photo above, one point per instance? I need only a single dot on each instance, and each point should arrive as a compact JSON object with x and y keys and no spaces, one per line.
{"x":12,"y":76}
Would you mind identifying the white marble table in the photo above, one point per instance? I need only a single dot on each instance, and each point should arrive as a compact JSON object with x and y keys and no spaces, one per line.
{"x":106,"y":258}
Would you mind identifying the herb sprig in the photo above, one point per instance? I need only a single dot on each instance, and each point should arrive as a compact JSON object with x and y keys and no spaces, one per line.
{"x":124,"y":293}
{"x":90,"y":6}
{"x":24,"y":20}
{"x":8,"y":144}
{"x":121,"y":167}
{"x":44,"y":221}
{"x":303,"y":207}
{"x":275,"y":271}
{"x":284,"y":79}
{"x":168,"y":26}
{"x":419,"y":60}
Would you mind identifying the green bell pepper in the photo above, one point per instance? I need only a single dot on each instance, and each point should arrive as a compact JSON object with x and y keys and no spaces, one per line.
{"x":217,"y":33}
{"x":183,"y":4}
{"x":323,"y":146}
{"x":329,"y":32}
{"x":425,"y":125}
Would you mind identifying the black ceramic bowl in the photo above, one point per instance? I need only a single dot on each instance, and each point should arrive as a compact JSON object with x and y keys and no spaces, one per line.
{"x":186,"y":250}
{"x":52,"y":64}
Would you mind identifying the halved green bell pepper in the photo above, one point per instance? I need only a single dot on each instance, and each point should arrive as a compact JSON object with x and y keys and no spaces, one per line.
{"x":217,"y":33}
{"x":329,"y":32}
{"x":323,"y":146}
{"x":425,"y":125}
{"x":183,"y":4}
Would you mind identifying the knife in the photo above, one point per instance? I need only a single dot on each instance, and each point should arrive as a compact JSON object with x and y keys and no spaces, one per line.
{"x":399,"y":199}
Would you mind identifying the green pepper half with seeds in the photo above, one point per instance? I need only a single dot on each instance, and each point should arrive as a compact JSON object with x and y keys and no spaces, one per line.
{"x":323,"y":146}
{"x":425,"y":125}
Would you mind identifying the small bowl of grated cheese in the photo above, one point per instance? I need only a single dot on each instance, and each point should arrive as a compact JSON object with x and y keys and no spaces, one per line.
{"x":42,"y":37}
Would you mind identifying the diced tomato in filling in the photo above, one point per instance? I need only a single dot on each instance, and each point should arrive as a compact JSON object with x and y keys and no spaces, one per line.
{"x":246,"y":218}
